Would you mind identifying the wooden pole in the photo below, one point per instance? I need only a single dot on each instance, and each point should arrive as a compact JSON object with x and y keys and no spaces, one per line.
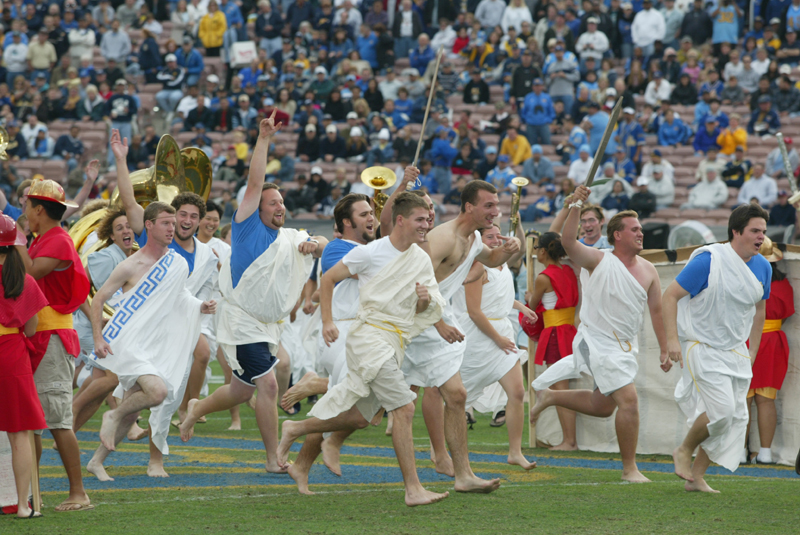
{"x":427,"y":110}
{"x":37,"y":496}
{"x":529,"y":263}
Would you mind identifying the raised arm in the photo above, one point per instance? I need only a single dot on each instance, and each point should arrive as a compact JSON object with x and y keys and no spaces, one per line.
{"x":516,"y":260}
{"x":585,"y":257}
{"x":499,"y":255}
{"x":115,"y":281}
{"x":558,"y":222}
{"x":334,"y":275}
{"x":134,"y":212}
{"x":669,"y":308}
{"x":258,"y":168}
{"x":410,"y":175}
{"x":91,"y":175}
{"x":656,"y":314}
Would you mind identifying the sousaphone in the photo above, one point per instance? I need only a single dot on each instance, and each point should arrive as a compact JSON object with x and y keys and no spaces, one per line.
{"x":379,"y":179}
{"x":175,"y":171}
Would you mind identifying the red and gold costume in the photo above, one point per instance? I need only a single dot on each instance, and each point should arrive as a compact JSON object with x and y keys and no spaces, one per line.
{"x":22,"y":410}
{"x":772,"y":360}
{"x":555,"y":328}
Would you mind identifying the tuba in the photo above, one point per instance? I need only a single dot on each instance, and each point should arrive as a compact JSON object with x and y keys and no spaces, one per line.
{"x":513,"y":221}
{"x":175,"y":171}
{"x":379,"y":179}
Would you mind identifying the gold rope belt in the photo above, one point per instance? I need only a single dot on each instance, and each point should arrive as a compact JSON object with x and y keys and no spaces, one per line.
{"x":50,"y":320}
{"x":689,"y":366}
{"x":394,"y":329}
{"x":558,"y":317}
{"x":771,"y":326}
{"x":8,"y":330}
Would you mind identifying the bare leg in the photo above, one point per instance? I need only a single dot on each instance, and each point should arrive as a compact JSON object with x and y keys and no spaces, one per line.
{"x":331,"y":448}
{"x":236,"y":421}
{"x":95,"y":465}
{"x":682,"y":456}
{"x":311,"y":384}
{"x":767,"y":420}
{"x":150,"y":393}
{"x":292,"y":430}
{"x":155,"y":468}
{"x":701,"y":462}
{"x":267,"y":420}
{"x":136,"y":433}
{"x":455,"y":429}
{"x":197,"y":374}
{"x":515,"y":417}
{"x":433,"y":414}
{"x":111,"y":401}
{"x":627,"y":426}
{"x":403,"y":441}
{"x":567,"y":419}
{"x":305,"y":460}
{"x":390,"y":424}
{"x":78,"y":369}
{"x":89,"y":400}
{"x":283,"y":371}
{"x":589,"y":402}
{"x":222,"y":399}
{"x":21,"y":463}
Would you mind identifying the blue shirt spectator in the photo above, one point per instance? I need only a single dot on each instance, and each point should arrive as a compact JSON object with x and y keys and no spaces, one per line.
{"x":672,"y":133}
{"x":538,"y":109}
{"x":421,"y":56}
{"x":367,"y":46}
{"x":706,"y":137}
{"x":726,"y":24}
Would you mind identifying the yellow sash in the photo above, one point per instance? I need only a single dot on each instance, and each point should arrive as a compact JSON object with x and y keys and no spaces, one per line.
{"x":50,"y":320}
{"x":394,"y":329}
{"x":8,"y":330}
{"x":770,"y":326}
{"x":559,"y":316}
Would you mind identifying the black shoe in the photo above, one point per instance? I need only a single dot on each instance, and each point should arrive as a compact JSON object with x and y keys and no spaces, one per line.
{"x":312,"y":399}
{"x":470,"y":420}
{"x":499,"y":420}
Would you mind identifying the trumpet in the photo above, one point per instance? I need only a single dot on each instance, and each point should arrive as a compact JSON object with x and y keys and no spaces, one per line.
{"x":379,"y":179}
{"x":513,"y":221}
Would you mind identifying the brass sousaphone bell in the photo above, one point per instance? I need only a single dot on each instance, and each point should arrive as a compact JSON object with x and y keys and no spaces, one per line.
{"x":513,"y":222}
{"x":175,"y":171}
{"x":3,"y":144}
{"x":379,"y":178}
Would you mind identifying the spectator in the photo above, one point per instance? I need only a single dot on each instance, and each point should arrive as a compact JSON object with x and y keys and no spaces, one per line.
{"x":673,"y":19}
{"x":523,"y":76}
{"x":81,"y":41}
{"x":42,"y":145}
{"x":406,"y":29}
{"x":787,"y":97}
{"x":115,"y":44}
{"x":711,"y":193}
{"x":41,"y":55}
{"x":782,"y":214}
{"x":732,"y":94}
{"x":443,"y":154}
{"x":149,"y":58}
{"x":301,"y":199}
{"x":422,"y":55}
{"x":200,"y":115}
{"x":127,"y":14}
{"x":764,"y":121}
{"x":631,"y":136}
{"x":737,"y":170}
{"x":748,"y":78}
{"x":579,"y":169}
{"x":15,"y":55}
{"x":711,"y":161}
{"x":697,"y":24}
{"x":223,"y":117}
{"x":516,"y":147}
{"x":725,"y":27}
{"x":617,"y":200}
{"x":367,"y":46}
{"x":172,"y":78}
{"x":576,"y":137}
{"x":732,"y":137}
{"x":648,"y":27}
{"x":403,"y":145}
{"x":706,"y":137}
{"x":789,"y":52}
{"x":562,"y":74}
{"x":356,"y":146}
{"x":545,"y":206}
{"x":662,"y":188}
{"x":454,"y":197}
{"x":592,"y":43}
{"x":658,"y":90}
{"x":318,"y":185}
{"x":562,"y":33}
{"x":490,"y":13}
{"x":623,"y":166}
{"x":69,"y":147}
{"x":762,"y":61}
{"x":760,"y":186}
{"x":538,"y":169}
{"x":308,"y":145}
{"x":538,"y":113}
{"x":764,"y":90}
{"x":212,"y":29}
{"x":92,"y":106}
{"x":332,"y":147}
{"x":322,"y":85}
{"x":480,"y":54}
{"x":476,"y":91}
{"x":774,"y":164}
{"x":595,"y":123}
{"x":502,"y":175}
{"x":643,"y":202}
{"x":390,"y":86}
{"x":445,"y":37}
{"x":17,"y":146}
{"x":120,"y":109}
{"x":427,"y":179}
{"x":269,"y":25}
{"x":325,"y":210}
{"x":190,"y":59}
{"x":488,"y":163}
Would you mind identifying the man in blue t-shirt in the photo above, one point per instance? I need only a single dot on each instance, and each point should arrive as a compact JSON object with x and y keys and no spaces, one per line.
{"x":592,"y":227}
{"x":355,"y":221}
{"x":722,"y":293}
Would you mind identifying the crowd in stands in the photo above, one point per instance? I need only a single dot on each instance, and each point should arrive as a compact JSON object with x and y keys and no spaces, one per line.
{"x":525,"y":88}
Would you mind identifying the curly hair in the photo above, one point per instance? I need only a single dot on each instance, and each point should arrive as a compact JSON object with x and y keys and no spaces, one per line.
{"x":105,"y":230}
{"x":188,"y":197}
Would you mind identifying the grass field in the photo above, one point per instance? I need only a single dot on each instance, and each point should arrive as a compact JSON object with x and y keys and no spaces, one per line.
{"x":218,"y":485}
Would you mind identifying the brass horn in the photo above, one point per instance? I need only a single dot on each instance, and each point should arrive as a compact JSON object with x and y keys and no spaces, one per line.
{"x":175,"y":171}
{"x":379,"y":178}
{"x":3,"y":143}
{"x":513,"y":221}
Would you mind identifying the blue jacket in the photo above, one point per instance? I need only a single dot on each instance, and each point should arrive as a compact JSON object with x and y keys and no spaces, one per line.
{"x":428,"y":181}
{"x":368,"y":49}
{"x":65,"y":144}
{"x":674,"y":134}
{"x":774,"y":124}
{"x":296,"y":14}
{"x":442,"y":153}
{"x":194,"y":63}
{"x":233,"y":15}
{"x":538,"y":109}
{"x":249,"y":76}
{"x":419,"y":60}
{"x":149,"y":57}
{"x":274,"y":19}
{"x":704,"y":141}
{"x":720,"y":116}
{"x":626,"y":169}
{"x":631,"y":136}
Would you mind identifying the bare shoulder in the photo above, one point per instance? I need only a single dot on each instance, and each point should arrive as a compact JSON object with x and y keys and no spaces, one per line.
{"x":649,"y":270}
{"x":476,"y":272}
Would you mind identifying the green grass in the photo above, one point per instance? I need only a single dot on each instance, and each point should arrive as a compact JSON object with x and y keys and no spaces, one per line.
{"x":546,"y":500}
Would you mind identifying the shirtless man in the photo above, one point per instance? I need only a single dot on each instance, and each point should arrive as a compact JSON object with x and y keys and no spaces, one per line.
{"x":159,"y":321}
{"x":616,"y":287}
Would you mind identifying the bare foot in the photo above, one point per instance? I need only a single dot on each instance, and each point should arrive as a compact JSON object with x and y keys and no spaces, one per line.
{"x":235,"y":426}
{"x":634,"y":476}
{"x":298,"y":392}
{"x":187,"y":427}
{"x":542,"y":402}
{"x":287,"y":439}
{"x":683,"y":463}
{"x":389,"y":425}
{"x":565,"y":446}
{"x":330,"y":457}
{"x":444,"y":466}
{"x":156,"y":469}
{"x":252,"y":401}
{"x":98,"y":470}
{"x":477,"y":485}
{"x":27,"y":513}
{"x":275,"y":468}
{"x":108,"y":429}
{"x":699,"y":485}
{"x":520,"y":460}
{"x":424,"y":497}
{"x":301,"y":478}
{"x":136,"y":433}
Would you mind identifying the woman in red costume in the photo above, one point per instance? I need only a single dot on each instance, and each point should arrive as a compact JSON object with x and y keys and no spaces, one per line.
{"x":554,"y":298}
{"x":20,"y":300}
{"x":772,"y":360}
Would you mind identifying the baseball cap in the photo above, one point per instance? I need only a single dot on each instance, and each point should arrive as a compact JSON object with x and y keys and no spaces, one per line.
{"x":670,"y":52}
{"x":629,"y":111}
{"x":356,"y":132}
{"x":171,"y":57}
{"x":212,"y":78}
{"x":710,"y":119}
{"x":549,"y":187}
{"x":642,"y":181}
{"x":783,"y":193}
{"x":384,"y":134}
{"x":503,"y":158}
{"x":331,"y":129}
{"x":316,"y":170}
{"x":85,"y":72}
{"x":536,"y":149}
{"x":538,"y":81}
{"x":658,"y":74}
{"x":591,"y":20}
{"x":121,"y":81}
{"x":310,"y":128}
{"x":785,"y":69}
{"x":187,"y":39}
{"x":352,"y":115}
{"x":491,"y":150}
{"x":559,"y":48}
{"x":608,"y":165}
{"x":321,"y":70}
{"x":269,"y":102}
{"x":657,"y":152}
{"x":774,"y":20}
{"x":764,"y":98}
{"x":584,"y":148}
{"x":658,"y":168}
{"x":594,"y":104}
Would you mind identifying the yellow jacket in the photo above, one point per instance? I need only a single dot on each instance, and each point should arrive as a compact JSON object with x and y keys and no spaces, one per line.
{"x":728,"y":141}
{"x":212,"y":28}
{"x":518,"y":150}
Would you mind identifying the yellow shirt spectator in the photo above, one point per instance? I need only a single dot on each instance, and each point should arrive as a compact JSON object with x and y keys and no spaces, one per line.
{"x":212,"y":27}
{"x":732,"y":136}
{"x":516,"y":147}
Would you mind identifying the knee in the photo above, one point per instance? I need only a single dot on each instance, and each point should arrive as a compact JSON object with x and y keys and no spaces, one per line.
{"x":455,"y":397}
{"x":268,"y":386}
{"x":516,"y":394}
{"x":159,"y":392}
{"x":202,"y":355}
{"x":405,"y":413}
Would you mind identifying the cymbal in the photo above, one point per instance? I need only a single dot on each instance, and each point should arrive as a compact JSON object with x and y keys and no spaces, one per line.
{"x":378,"y":177}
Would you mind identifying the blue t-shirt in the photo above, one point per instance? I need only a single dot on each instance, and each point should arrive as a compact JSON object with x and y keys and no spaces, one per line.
{"x":249,"y":240}
{"x":141,"y":239}
{"x":11,"y":211}
{"x":725,"y":26}
{"x":335,"y":251}
{"x":694,"y":277}
{"x":602,"y":243}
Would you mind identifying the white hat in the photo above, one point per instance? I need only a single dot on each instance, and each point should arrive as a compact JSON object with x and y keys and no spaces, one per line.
{"x":331,"y":129}
{"x":629,"y":110}
{"x":356,"y":132}
{"x":785,"y":69}
{"x":213,"y":78}
{"x":352,"y":115}
{"x":384,"y":134}
{"x":311,"y":128}
{"x":316,"y":170}
{"x":642,"y":181}
{"x":171,"y":57}
{"x":321,"y":70}
{"x":611,"y":92}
